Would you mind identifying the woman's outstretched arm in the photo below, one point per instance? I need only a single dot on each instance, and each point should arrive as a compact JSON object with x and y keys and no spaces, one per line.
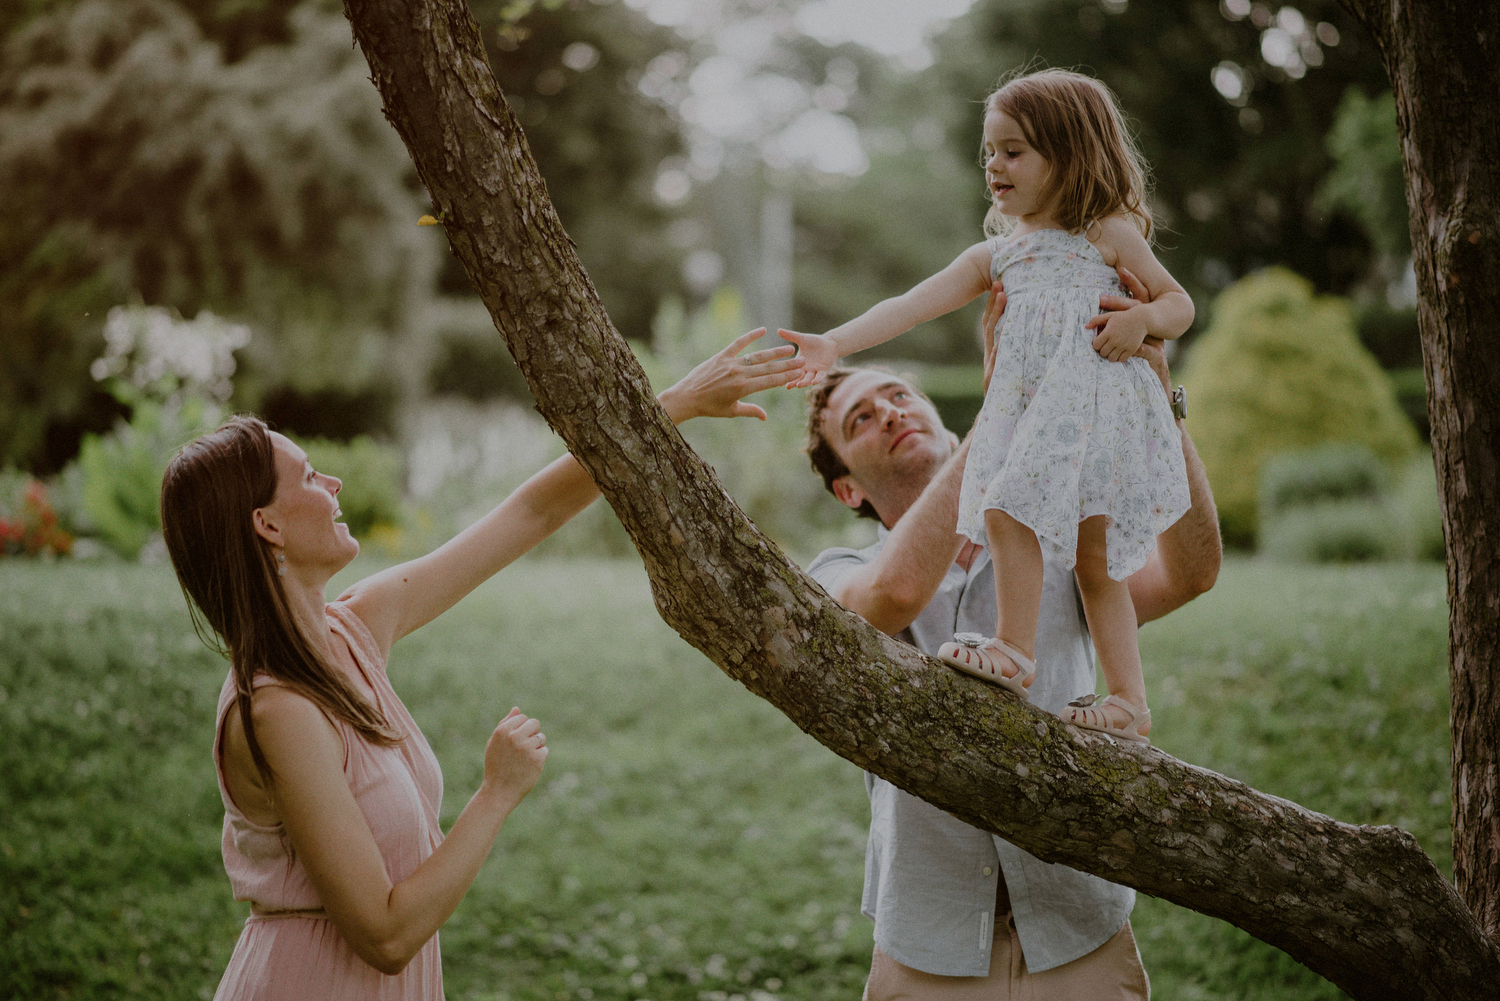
{"x":405,"y":597}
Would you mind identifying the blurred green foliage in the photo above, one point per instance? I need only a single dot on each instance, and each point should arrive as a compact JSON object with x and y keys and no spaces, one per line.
{"x":916,"y":208}
{"x":233,"y":155}
{"x":569,"y":71}
{"x":1355,"y":530}
{"x":1337,"y":470}
{"x":373,"y":475}
{"x":1281,"y":369}
{"x":1416,"y":500}
{"x":120,"y":473}
{"x":476,"y":367}
{"x":1339,"y":503}
{"x":488,"y":451}
{"x":1366,"y":179}
{"x":270,"y":189}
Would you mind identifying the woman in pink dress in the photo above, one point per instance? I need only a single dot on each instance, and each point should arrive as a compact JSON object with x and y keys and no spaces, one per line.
{"x":331,"y":794}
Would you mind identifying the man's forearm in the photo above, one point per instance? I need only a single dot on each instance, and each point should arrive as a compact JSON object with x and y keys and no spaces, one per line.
{"x":1187,"y":557}
{"x":1193,"y":548}
{"x":891,"y":591}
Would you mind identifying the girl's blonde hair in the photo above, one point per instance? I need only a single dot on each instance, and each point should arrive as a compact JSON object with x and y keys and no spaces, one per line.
{"x":1076,"y":124}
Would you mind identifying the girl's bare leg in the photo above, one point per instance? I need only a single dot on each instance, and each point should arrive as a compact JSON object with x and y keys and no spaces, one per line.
{"x":1016,"y":557}
{"x":1112,"y":622}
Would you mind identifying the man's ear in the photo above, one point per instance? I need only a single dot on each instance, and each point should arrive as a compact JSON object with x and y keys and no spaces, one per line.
{"x":849,"y":493}
{"x":265,"y":527}
{"x":953,"y":440}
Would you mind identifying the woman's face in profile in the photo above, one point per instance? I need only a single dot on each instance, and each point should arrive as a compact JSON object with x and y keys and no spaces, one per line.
{"x":305,"y":510}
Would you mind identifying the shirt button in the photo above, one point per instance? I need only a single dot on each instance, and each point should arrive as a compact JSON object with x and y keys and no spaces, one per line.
{"x":988,"y":870}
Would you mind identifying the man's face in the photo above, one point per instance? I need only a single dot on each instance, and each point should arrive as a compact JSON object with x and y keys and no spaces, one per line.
{"x":889,"y":436}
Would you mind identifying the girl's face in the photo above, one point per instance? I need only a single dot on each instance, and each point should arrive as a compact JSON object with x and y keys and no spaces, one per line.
{"x":1016,"y":173}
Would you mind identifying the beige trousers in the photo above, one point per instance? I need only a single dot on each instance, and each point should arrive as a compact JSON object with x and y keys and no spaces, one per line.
{"x":1112,"y":972}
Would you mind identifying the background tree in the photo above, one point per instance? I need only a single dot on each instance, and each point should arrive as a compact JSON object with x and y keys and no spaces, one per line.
{"x":1364,"y":907}
{"x":231,"y":156}
{"x":1444,"y":63}
{"x":135,"y":162}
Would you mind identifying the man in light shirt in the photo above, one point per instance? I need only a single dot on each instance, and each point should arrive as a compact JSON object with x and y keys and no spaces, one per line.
{"x":959,"y":913}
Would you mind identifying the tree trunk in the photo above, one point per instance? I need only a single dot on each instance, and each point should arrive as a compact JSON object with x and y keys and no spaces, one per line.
{"x":1443,"y":57}
{"x":1362,"y":906}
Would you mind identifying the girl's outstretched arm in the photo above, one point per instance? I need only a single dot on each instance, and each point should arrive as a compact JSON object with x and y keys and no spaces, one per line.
{"x":1166,"y":314}
{"x":956,"y":285}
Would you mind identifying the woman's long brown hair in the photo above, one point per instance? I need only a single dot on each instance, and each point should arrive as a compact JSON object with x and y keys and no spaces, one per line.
{"x":1075,"y":123}
{"x":228,"y":574}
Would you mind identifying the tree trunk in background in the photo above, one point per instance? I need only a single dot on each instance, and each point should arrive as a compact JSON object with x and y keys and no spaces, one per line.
{"x":1443,"y":57}
{"x":1362,"y":906}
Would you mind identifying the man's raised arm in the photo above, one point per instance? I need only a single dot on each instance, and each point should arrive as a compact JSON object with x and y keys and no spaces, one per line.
{"x":1187,"y":557}
{"x":890,"y":591}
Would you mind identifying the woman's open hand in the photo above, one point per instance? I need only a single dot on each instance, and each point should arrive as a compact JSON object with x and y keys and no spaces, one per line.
{"x":714,"y":388}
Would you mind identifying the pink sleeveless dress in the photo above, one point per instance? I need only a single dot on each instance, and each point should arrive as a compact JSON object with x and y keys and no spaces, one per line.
{"x":289,"y":949}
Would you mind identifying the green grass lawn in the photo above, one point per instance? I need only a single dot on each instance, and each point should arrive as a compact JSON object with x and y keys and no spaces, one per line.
{"x":686,"y":841}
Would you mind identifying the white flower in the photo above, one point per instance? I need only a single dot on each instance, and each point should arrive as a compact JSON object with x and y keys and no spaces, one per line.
{"x":148,"y":344}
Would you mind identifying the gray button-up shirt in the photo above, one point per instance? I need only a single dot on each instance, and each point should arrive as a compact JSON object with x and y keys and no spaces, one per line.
{"x":929,"y":877}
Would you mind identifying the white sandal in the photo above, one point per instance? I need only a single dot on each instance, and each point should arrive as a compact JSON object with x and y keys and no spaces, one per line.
{"x":968,"y":653}
{"x":1085,"y":717}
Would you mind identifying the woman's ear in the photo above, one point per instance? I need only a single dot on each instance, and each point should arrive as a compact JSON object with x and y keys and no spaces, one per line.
{"x":849,"y":493}
{"x":265,"y":527}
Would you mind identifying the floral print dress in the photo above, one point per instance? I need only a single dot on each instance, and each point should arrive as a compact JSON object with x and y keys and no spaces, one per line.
{"x":1063,"y":434}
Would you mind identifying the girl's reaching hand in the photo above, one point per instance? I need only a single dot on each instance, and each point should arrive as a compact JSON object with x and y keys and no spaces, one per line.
{"x":715,"y":386}
{"x":818,"y":354}
{"x":514,"y":756}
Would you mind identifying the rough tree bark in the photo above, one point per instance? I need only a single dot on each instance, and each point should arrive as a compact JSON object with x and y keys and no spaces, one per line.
{"x":1443,"y":57}
{"x":1362,"y":906}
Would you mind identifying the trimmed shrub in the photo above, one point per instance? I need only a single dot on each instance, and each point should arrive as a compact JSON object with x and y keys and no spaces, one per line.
{"x":373,"y":480}
{"x":1331,"y":531}
{"x":1281,"y":369}
{"x":1340,"y":504}
{"x":1336,"y":471}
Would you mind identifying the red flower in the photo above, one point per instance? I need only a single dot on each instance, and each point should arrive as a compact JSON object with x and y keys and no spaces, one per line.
{"x":35,"y":530}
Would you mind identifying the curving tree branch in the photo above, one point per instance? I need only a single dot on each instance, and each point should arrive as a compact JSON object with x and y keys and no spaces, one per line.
{"x":1362,"y":906}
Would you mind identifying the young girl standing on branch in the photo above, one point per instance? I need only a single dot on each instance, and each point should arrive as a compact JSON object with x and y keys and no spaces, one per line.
{"x":1075,"y":446}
